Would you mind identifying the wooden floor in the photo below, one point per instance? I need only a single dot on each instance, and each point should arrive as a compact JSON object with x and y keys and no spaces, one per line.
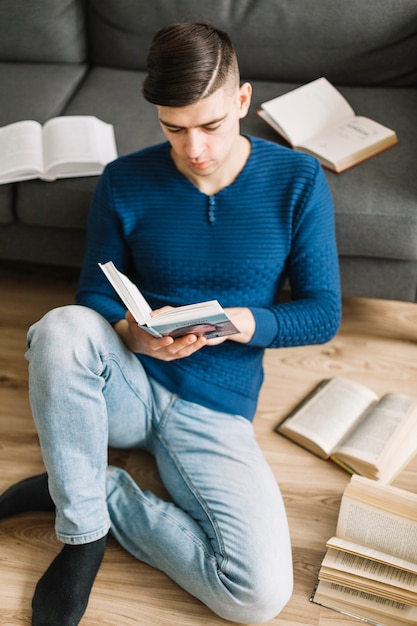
{"x":376,"y":345}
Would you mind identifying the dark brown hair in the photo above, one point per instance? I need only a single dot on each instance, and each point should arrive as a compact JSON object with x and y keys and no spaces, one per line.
{"x":188,"y":62}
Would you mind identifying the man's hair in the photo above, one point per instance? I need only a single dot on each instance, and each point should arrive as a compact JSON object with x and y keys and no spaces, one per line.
{"x":187,"y":62}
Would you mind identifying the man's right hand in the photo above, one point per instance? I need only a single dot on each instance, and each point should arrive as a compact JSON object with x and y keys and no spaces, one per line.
{"x":163,"y":348}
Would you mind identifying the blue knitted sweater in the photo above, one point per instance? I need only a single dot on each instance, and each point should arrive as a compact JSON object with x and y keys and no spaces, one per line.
{"x":181,"y":246}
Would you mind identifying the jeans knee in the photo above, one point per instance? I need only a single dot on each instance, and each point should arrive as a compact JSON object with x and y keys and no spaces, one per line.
{"x":61,"y":324}
{"x":60,"y":332}
{"x":260,"y":602}
{"x":262,"y":607}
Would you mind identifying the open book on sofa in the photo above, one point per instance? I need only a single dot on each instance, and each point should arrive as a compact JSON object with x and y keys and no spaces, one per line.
{"x":316,"y":118}
{"x":64,"y":147}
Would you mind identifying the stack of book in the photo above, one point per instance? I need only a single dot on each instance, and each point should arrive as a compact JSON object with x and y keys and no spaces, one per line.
{"x":370,"y":568}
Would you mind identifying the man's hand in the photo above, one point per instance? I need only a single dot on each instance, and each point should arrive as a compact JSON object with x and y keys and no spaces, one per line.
{"x":164,"y":348}
{"x":243,"y":319}
{"x":169,"y":349}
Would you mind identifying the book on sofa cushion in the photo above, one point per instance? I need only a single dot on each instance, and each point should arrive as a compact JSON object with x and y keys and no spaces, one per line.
{"x":315,"y":118}
{"x":64,"y":147}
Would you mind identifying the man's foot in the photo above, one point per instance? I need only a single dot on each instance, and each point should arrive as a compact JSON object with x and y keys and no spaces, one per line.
{"x":61,"y":595}
{"x":31,"y":494}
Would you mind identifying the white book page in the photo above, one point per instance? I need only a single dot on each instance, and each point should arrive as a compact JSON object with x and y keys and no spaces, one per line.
{"x":331,"y":413}
{"x":353,"y":136}
{"x":307,"y":111}
{"x":365,"y":605}
{"x":21,"y":151}
{"x":370,"y":569}
{"x":377,"y":529}
{"x":130,"y":295}
{"x":190,"y":312}
{"x":353,"y":548}
{"x":77,"y":145}
{"x":379,"y":430}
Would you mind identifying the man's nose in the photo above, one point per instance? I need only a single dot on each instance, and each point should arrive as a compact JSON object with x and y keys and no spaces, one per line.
{"x":194,"y":143}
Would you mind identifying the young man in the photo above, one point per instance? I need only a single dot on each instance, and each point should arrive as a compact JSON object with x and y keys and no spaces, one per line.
{"x":208,"y":214}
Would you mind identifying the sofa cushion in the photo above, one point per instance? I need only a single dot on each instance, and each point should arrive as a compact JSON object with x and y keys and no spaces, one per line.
{"x":355,"y":42}
{"x":366,"y":224}
{"x":65,"y":203}
{"x":52,"y":246}
{"x":48,"y":31}
{"x":367,"y":277}
{"x":375,"y":202}
{"x":36,"y":91}
{"x":135,"y":120}
{"x":60,"y":204}
{"x":6,"y":204}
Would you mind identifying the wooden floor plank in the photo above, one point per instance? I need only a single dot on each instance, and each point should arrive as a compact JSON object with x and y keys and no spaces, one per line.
{"x":376,"y":345}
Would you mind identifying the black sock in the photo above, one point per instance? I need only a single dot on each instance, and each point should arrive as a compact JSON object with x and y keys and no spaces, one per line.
{"x":31,"y":494}
{"x":61,"y":595}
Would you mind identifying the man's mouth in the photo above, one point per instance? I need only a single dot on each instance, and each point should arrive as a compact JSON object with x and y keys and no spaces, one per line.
{"x":198,"y":165}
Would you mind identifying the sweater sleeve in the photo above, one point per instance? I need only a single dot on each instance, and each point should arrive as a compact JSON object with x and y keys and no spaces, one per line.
{"x":313,"y":315}
{"x":105,"y":242}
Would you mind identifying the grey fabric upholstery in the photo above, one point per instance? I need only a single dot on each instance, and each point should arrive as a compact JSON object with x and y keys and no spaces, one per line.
{"x":65,"y":57}
{"x":355,"y":42}
{"x":44,"y":31}
{"x":375,"y":202}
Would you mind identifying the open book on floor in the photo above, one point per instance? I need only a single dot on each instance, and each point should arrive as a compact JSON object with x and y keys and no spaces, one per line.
{"x":370,"y":567}
{"x":316,"y":118}
{"x":346,"y":422}
{"x":204,"y":318}
{"x":64,"y":147}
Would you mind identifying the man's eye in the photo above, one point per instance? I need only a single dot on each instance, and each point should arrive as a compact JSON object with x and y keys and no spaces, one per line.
{"x":211,"y":129}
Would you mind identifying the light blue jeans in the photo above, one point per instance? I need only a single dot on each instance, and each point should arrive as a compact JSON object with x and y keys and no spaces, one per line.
{"x":224,"y":537}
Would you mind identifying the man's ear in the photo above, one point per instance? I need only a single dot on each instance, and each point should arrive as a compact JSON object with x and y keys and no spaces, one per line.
{"x":245,"y":96}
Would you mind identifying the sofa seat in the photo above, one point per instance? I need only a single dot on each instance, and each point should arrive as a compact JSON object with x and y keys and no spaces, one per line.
{"x":34,"y":91}
{"x":88,"y":57}
{"x":375,"y":201}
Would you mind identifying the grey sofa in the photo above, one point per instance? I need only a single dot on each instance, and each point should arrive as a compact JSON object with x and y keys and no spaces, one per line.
{"x":62,"y":57}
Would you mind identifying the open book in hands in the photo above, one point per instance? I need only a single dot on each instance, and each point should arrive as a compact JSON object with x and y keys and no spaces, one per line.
{"x":204,"y":318}
{"x":315,"y":118}
{"x":346,"y":422}
{"x":64,"y":147}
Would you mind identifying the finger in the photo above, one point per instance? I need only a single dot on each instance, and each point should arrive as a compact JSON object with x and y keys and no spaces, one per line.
{"x":130,"y":318}
{"x":184,"y":347}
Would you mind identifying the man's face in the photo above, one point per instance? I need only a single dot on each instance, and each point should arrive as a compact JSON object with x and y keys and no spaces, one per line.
{"x":204,"y":135}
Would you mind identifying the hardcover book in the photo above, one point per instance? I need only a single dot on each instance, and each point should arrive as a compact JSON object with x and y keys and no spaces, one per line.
{"x":345,"y":421}
{"x":203,"y":318}
{"x":370,"y":567}
{"x":315,"y":118}
{"x":64,"y":147}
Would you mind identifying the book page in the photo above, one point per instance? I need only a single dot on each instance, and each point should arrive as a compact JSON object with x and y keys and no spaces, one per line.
{"x":78,"y":145}
{"x":369,"y":553}
{"x":308,"y":110}
{"x":386,"y":497}
{"x":380,"y":430}
{"x":349,"y":141}
{"x":20,"y":151}
{"x":366,"y":606}
{"x":369,"y":569}
{"x":375,"y":528}
{"x":331,"y":413}
{"x":204,"y":318}
{"x":130,"y":295}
